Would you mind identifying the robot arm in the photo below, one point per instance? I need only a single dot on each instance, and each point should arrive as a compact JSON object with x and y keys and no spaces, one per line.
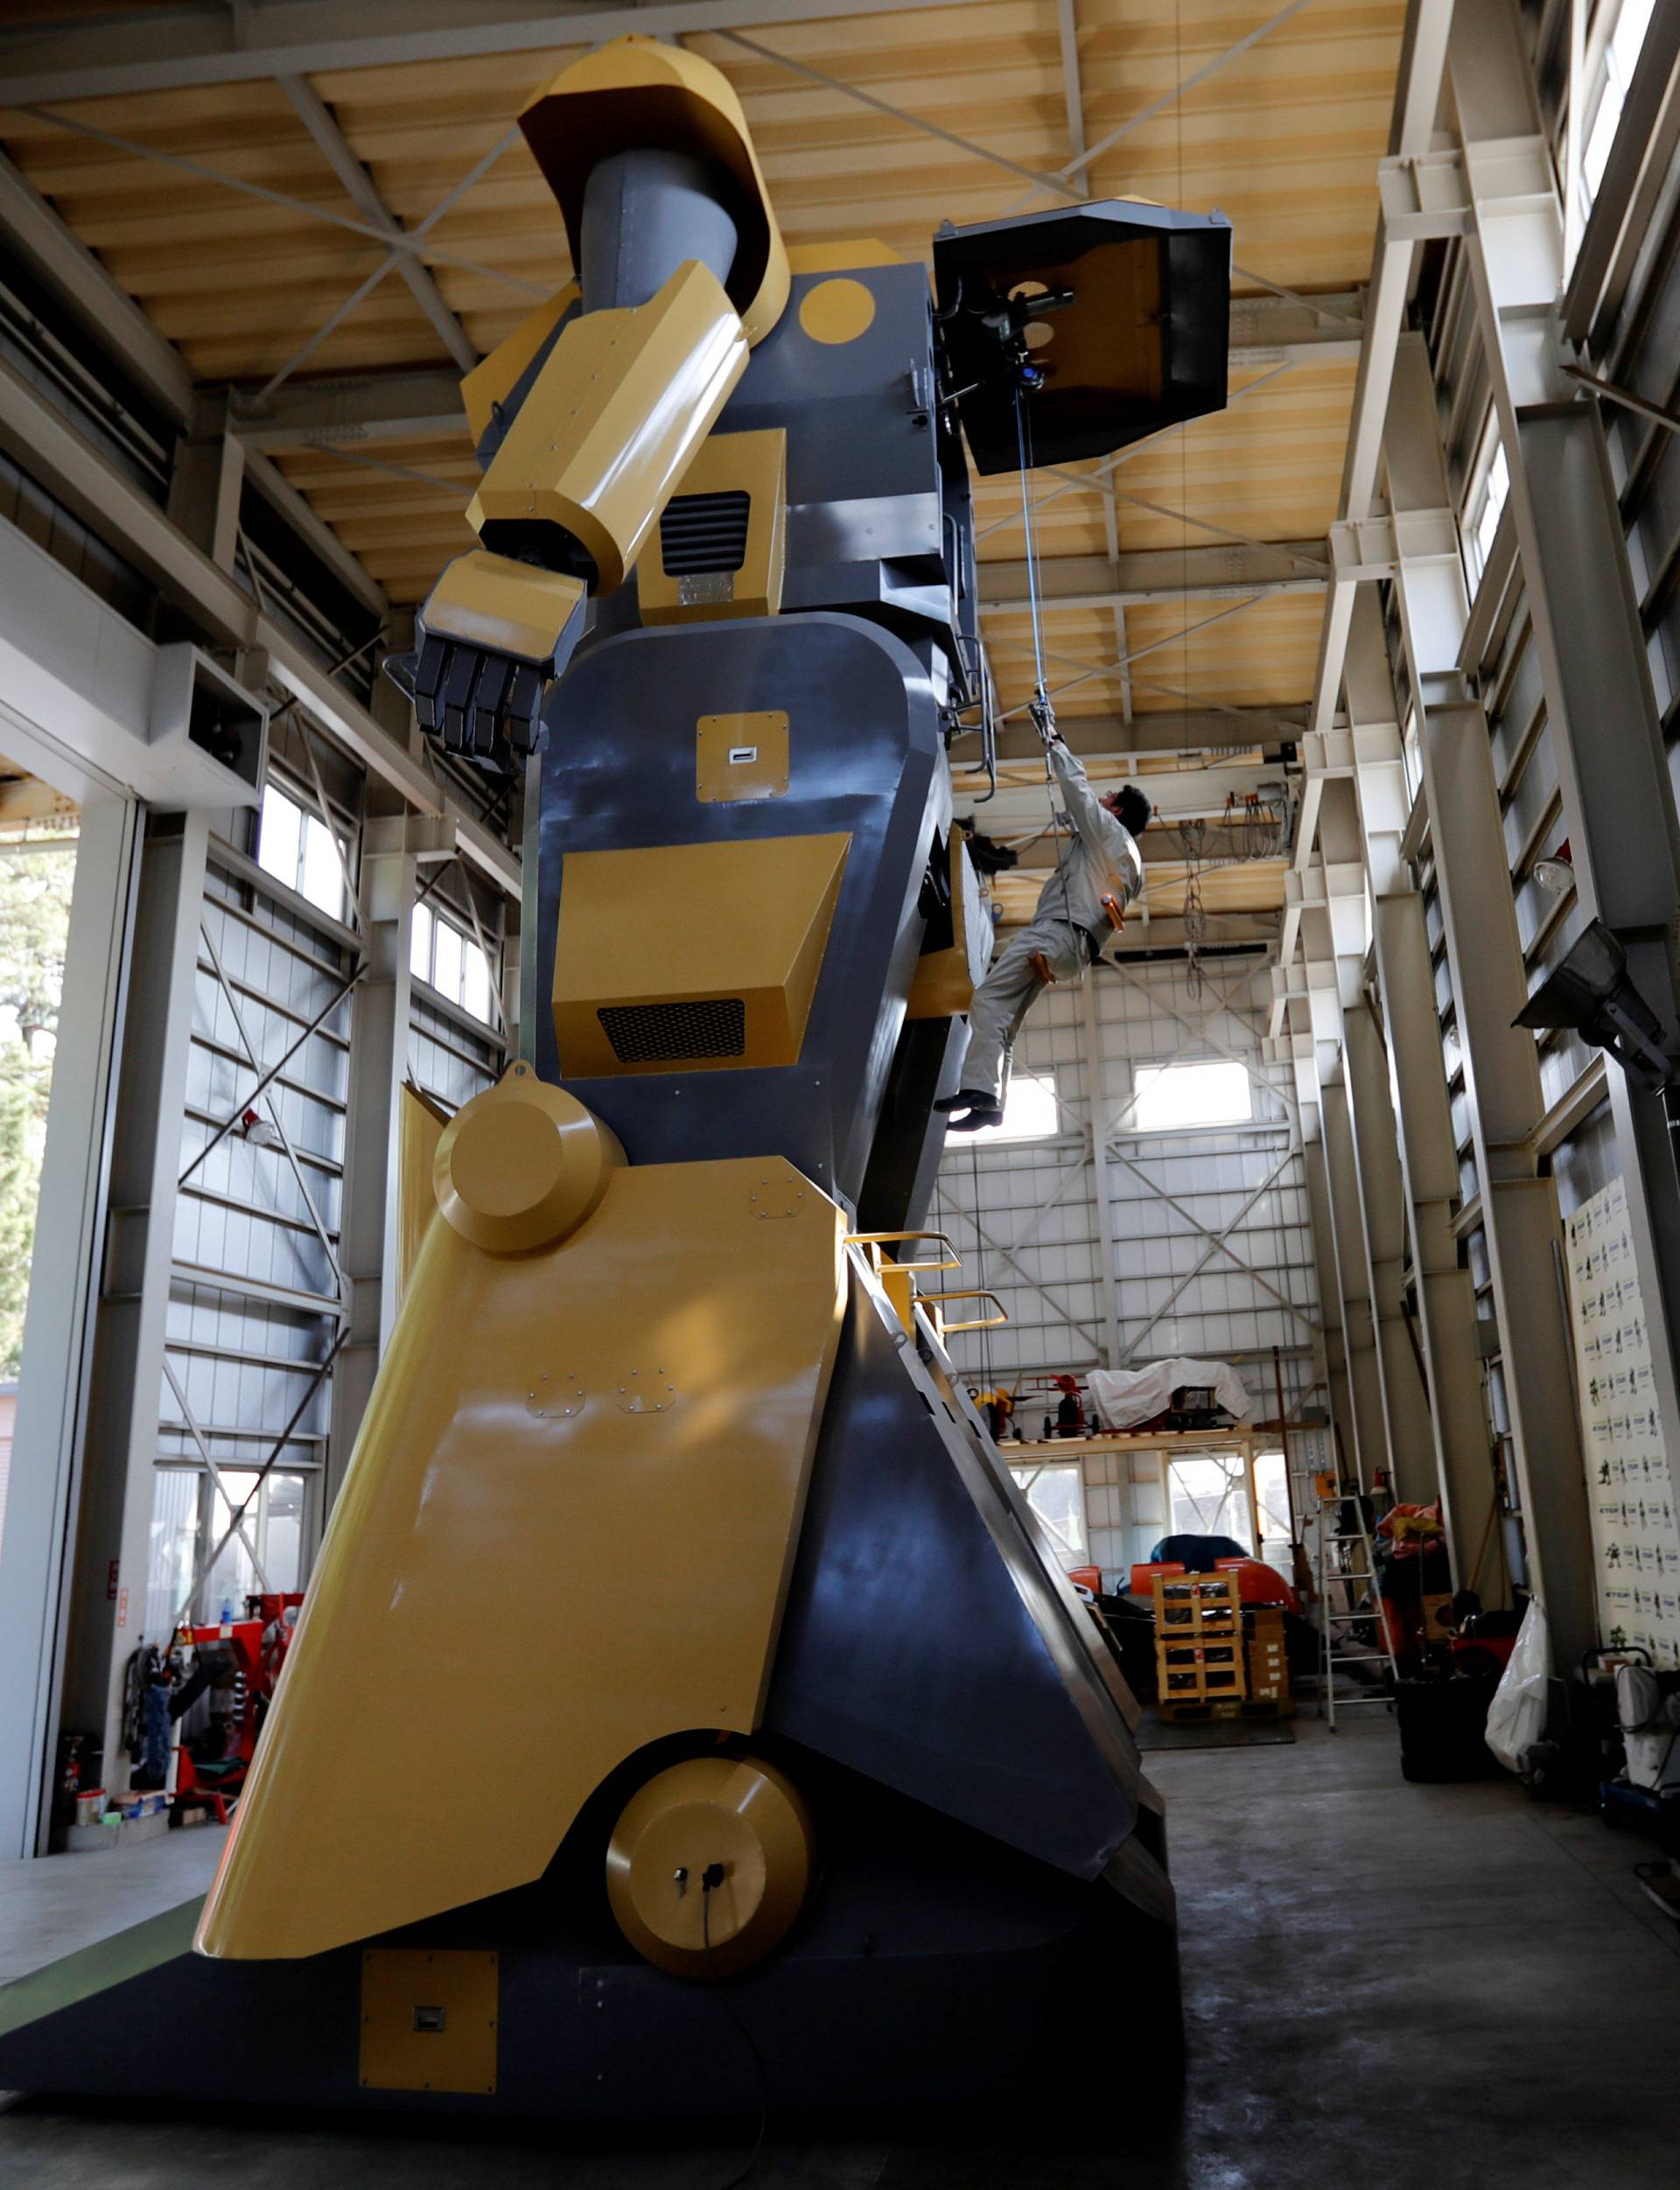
{"x":586,"y":436}
{"x":585,"y":465}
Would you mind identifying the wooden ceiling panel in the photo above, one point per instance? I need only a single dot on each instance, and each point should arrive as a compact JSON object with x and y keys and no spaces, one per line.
{"x":1283,"y":138}
{"x":1252,"y":657}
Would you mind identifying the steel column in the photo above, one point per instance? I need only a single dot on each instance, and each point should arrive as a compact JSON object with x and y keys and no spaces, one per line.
{"x":1617,"y":799}
{"x":1370,"y":752}
{"x":1447,"y":1293}
{"x":1316,"y":1173}
{"x":1353,"y":1266}
{"x":1406,"y":1404}
{"x":205,"y":485}
{"x":1096,"y":1112}
{"x":1520,"y":1219}
{"x":64,"y":1275}
{"x":379,"y":1052}
{"x":111,"y":1556}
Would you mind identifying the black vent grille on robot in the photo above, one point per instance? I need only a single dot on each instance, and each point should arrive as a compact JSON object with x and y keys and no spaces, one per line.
{"x":701,"y":532}
{"x":675,"y":1033}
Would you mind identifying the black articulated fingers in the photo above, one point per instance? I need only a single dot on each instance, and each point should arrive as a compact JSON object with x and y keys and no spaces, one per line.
{"x":524,"y":706}
{"x":460,"y":674}
{"x":483,"y":706}
{"x":489,"y":689}
{"x":427,"y":679}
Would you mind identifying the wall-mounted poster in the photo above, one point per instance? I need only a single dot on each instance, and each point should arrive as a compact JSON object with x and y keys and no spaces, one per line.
{"x":1635,"y":1535}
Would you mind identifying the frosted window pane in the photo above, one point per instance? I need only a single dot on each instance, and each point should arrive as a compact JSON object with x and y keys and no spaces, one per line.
{"x":1271,"y":1495}
{"x":282,"y":1539}
{"x":446,"y":963}
{"x":174,"y":1546}
{"x":1209,"y":1497}
{"x":1169,"y":1095}
{"x":420,"y":944}
{"x":1057,"y":1495}
{"x":323,"y":882}
{"x":277,"y":839}
{"x":233,"y":1577}
{"x":478,"y":983}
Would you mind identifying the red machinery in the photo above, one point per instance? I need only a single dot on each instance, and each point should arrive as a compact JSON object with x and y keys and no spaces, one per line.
{"x":238,"y":1663}
{"x":1256,"y":1583}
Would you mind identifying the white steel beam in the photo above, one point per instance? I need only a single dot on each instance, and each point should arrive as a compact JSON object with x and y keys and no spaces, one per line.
{"x":317,"y":118}
{"x":1133,"y":577}
{"x":1315,"y":1166}
{"x":1416,"y":99}
{"x":1447,"y":1292}
{"x":1072,"y":90}
{"x":424,"y":403}
{"x":68,"y":267}
{"x":372,"y":407}
{"x":1192,"y":728}
{"x":1082,"y":160}
{"x":108,"y":59}
{"x":109,"y":502}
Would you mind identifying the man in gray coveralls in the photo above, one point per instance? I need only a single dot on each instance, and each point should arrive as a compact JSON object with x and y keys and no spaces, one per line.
{"x":1099,"y":868}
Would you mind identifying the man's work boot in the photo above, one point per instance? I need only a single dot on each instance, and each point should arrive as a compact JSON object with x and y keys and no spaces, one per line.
{"x":976,"y":1120}
{"x":970,"y":1099}
{"x":979,"y":1108}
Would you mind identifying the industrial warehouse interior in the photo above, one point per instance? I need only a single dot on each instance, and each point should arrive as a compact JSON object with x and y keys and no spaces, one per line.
{"x":839,"y":1053}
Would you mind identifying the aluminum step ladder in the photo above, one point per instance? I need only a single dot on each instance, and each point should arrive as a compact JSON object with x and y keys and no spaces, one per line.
{"x":1347,"y":1566}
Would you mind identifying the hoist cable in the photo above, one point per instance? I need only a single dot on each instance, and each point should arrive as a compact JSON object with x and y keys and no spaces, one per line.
{"x":1022,"y":449}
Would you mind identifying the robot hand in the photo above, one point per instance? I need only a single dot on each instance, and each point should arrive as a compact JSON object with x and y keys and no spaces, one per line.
{"x":491,"y":637}
{"x":481,"y":704}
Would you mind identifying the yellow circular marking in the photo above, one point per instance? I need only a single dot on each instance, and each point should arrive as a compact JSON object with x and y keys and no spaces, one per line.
{"x":836,"y":310}
{"x":739,"y":1823}
{"x":522,"y":1165}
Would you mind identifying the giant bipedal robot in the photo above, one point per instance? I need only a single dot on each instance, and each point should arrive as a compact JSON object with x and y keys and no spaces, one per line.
{"x":678,"y":1625}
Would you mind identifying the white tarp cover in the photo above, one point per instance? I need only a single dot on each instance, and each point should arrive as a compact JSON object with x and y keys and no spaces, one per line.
{"x":1123,"y":1397}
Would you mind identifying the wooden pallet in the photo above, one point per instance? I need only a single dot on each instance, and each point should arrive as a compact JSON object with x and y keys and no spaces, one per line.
{"x":1199,"y":1657}
{"x":1227,"y":1707}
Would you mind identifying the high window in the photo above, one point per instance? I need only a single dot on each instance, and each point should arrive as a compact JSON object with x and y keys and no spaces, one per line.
{"x":295,"y":847}
{"x":1604,"y":116}
{"x":450,"y":961}
{"x":1218,"y":1093}
{"x":1056,"y":1494}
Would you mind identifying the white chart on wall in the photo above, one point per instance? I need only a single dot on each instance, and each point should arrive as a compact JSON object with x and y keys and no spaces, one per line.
{"x":1635,"y":1538}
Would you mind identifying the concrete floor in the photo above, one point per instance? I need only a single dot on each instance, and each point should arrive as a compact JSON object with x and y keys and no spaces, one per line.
{"x":1388,"y":1987}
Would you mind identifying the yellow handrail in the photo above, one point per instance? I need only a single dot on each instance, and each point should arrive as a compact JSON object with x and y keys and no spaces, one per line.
{"x":877,"y":1240}
{"x":935,"y":1300}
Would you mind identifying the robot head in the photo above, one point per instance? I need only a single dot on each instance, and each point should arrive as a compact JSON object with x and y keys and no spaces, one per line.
{"x":635,"y":92}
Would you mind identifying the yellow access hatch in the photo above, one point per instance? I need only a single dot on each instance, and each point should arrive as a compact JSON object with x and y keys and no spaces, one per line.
{"x":429,"y":2020}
